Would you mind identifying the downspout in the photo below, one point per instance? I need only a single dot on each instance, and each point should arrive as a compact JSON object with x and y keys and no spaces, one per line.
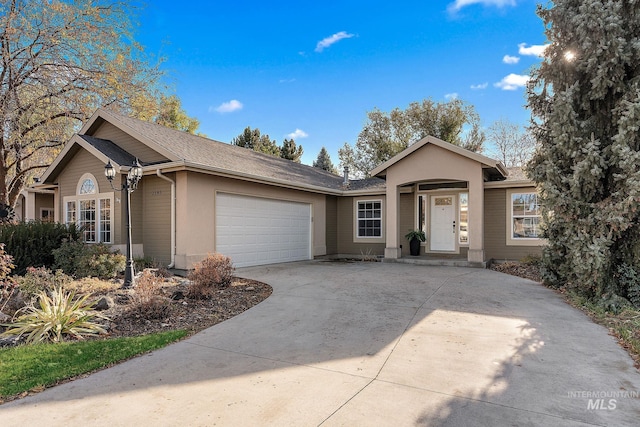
{"x":173,"y":217}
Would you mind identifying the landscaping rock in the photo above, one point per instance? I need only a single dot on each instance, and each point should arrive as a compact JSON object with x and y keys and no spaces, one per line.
{"x":177,"y":295}
{"x":11,"y":341}
{"x":104,"y":303}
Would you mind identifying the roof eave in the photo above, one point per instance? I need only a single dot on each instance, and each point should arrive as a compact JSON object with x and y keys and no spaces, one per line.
{"x":113,"y":119}
{"x":510,"y":184}
{"x":254,"y":178}
{"x":75,"y":140}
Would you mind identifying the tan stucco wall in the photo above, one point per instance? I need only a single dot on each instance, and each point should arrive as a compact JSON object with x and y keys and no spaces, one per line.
{"x":433,"y":162}
{"x":195,"y":212}
{"x":496,"y":229}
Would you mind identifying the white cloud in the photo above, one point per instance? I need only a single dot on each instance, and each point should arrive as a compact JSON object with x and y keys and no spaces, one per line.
{"x":508,"y":59}
{"x":298,"y":133}
{"x":328,"y":41}
{"x":459,"y":4}
{"x":286,"y":80}
{"x":512,"y":82}
{"x":533,"y":50}
{"x":480,"y":86}
{"x":450,"y":96}
{"x":227,"y":107}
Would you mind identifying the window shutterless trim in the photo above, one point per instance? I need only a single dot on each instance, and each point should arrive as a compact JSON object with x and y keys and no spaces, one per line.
{"x":520,"y":241}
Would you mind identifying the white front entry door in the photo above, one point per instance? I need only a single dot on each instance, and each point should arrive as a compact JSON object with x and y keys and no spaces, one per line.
{"x":443,"y":223}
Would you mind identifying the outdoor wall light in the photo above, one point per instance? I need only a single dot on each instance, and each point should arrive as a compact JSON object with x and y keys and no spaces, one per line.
{"x":129,"y":185}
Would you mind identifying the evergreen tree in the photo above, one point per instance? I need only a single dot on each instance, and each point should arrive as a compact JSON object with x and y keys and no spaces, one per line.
{"x":585,"y":100}
{"x":291,"y":151}
{"x":254,"y":140}
{"x":323,"y":161}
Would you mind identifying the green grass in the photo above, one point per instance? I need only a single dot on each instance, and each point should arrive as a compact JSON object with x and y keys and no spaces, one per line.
{"x":35,"y":367}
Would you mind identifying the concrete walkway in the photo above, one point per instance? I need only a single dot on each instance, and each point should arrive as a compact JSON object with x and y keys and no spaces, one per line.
{"x":359,"y":344}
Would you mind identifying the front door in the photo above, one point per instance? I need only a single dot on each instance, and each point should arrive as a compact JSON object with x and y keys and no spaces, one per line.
{"x":443,"y":223}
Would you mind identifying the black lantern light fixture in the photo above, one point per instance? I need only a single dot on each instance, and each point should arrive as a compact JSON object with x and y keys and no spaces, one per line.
{"x":128,"y":186}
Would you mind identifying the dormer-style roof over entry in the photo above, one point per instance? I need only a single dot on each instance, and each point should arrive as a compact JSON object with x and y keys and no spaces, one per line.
{"x":494,"y":170}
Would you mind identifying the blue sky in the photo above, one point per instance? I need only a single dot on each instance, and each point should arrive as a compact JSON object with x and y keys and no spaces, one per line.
{"x":312,"y":70}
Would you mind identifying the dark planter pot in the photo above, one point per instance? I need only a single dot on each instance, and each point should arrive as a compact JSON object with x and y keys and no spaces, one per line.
{"x":414,"y":247}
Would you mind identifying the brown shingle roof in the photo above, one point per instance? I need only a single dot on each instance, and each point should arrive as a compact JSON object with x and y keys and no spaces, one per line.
{"x":197,"y":150}
{"x":516,"y":174}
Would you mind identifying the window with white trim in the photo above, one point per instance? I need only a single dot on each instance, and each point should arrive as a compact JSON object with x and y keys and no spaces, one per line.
{"x":463,"y":236}
{"x":369,"y":222}
{"x":90,"y":210}
{"x":525,"y":216}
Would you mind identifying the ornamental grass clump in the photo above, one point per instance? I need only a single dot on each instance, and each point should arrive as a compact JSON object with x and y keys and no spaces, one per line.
{"x":56,"y":316}
{"x":212,"y":273}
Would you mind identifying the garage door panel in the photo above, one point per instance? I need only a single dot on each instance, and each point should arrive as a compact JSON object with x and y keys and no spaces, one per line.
{"x":254,"y":230}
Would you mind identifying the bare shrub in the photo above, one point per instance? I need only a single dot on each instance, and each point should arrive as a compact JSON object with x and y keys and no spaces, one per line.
{"x":212,"y":273}
{"x":147,"y":300}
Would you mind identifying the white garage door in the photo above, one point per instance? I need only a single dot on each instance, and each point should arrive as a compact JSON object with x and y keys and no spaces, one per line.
{"x":255,"y":231}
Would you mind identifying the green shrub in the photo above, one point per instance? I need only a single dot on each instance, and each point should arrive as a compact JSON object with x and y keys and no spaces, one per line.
{"x":57,"y":315}
{"x":212,"y":273}
{"x":532,"y":260}
{"x":32,"y":243}
{"x":141,"y":263}
{"x":147,"y":300}
{"x":100,"y":262}
{"x":628,"y":280}
{"x":41,"y":279}
{"x":7,"y":284}
{"x":88,"y":260}
{"x":67,"y":255}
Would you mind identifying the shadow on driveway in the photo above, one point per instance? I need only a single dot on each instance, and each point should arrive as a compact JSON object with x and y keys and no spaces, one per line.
{"x":366,"y":344}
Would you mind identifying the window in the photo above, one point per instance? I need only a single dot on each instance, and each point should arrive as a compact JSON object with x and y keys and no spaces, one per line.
{"x":87,"y":187}
{"x":91,"y":210}
{"x":422,"y":213}
{"x":369,"y":222}
{"x":105,"y":220}
{"x":87,"y":219}
{"x":525,"y":216}
{"x":46,"y":214}
{"x":464,"y":219}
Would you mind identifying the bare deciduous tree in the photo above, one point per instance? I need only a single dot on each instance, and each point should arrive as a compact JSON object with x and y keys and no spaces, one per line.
{"x":59,"y":62}
{"x":513,"y":145}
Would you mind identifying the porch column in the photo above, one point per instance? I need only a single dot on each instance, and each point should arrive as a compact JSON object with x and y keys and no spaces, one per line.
{"x":476,"y":219}
{"x":57,"y":206}
{"x":392,"y":249}
{"x":30,"y":206}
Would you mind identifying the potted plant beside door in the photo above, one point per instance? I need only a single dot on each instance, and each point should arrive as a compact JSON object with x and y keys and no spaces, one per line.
{"x":415,"y":237}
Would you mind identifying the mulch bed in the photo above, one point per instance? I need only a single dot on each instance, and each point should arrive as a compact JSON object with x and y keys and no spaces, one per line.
{"x":182,"y":312}
{"x":527,"y":271}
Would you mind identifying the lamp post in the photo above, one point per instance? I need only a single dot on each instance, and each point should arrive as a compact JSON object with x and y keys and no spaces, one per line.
{"x":129,"y":186}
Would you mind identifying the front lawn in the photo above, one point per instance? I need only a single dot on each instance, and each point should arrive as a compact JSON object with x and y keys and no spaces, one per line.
{"x":34,"y":367}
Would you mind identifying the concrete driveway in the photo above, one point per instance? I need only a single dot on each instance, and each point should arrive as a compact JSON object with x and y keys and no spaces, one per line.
{"x":359,"y":344}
